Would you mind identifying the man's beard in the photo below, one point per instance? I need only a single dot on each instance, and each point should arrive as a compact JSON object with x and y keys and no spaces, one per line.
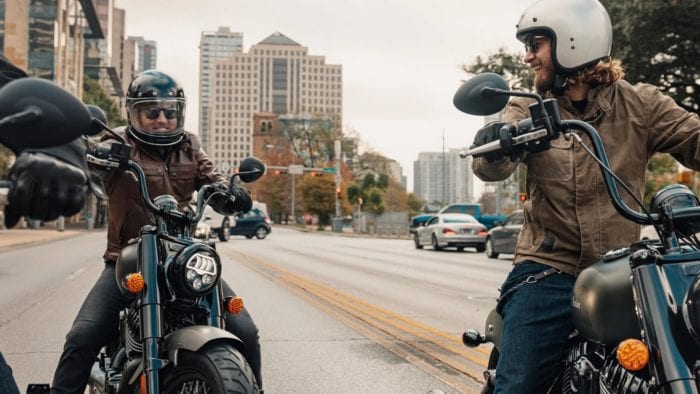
{"x":544,"y":85}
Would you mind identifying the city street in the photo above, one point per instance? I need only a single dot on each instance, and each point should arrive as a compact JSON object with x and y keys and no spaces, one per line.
{"x":335,"y":313}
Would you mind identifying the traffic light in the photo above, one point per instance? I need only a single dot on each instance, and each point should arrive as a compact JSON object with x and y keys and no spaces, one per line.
{"x":523,"y":197}
{"x":337,"y":193}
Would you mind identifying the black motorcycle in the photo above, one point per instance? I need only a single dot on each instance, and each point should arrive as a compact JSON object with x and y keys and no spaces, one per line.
{"x":636,"y":313}
{"x":172,"y":337}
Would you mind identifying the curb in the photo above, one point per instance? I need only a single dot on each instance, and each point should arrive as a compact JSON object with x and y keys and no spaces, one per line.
{"x":16,"y":238}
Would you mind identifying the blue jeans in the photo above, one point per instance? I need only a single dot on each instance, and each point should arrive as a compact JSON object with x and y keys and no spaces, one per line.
{"x":7,"y":382}
{"x":536,"y":328}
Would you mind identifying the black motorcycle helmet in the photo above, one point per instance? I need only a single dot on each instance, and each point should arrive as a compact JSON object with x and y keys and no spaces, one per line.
{"x":150,"y":96}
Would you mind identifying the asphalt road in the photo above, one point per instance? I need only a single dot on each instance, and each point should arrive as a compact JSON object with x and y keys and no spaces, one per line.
{"x":307,"y":346}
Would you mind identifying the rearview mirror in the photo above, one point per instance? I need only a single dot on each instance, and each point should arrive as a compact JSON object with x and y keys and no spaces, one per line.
{"x":251,"y":169}
{"x":479,"y":95}
{"x":36,"y":113}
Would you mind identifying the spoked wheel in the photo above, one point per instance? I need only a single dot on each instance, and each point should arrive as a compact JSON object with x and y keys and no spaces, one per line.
{"x":261,"y":232}
{"x":216,"y":368}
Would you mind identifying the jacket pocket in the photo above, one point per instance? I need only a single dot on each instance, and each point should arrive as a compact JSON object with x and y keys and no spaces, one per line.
{"x":554,"y":164}
{"x":182,"y":178}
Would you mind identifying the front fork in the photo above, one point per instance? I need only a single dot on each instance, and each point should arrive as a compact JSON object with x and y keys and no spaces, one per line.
{"x":151,"y":312}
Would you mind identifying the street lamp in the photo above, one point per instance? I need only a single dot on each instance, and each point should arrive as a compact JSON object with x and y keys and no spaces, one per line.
{"x":292,"y":172}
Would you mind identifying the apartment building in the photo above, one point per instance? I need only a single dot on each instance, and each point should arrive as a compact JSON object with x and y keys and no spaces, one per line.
{"x":277,"y":75}
{"x":443,"y":177}
{"x":213,"y":46}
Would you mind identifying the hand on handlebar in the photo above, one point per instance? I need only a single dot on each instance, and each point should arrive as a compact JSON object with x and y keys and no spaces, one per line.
{"x":229,"y":200}
{"x":44,"y":188}
{"x":498,"y":131}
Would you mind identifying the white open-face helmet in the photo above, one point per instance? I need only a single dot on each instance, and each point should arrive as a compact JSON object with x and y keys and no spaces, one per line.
{"x":580,"y":30}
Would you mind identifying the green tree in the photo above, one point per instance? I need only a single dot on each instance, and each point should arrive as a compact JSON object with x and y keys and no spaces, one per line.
{"x":95,"y":95}
{"x":319,"y":197}
{"x":661,"y":171}
{"x":508,"y":65}
{"x":415,"y":204}
{"x":658,"y":42}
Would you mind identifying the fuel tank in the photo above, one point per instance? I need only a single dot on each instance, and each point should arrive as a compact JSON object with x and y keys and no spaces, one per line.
{"x":602,"y":304}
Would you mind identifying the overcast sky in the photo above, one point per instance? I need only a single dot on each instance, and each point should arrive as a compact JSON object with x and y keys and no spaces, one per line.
{"x":401,"y":58}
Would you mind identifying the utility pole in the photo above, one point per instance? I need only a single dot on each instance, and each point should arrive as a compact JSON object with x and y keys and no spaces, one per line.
{"x":337,"y":220}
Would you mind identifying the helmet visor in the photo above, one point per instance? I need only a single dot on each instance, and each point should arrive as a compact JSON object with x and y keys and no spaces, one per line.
{"x":164,"y":117}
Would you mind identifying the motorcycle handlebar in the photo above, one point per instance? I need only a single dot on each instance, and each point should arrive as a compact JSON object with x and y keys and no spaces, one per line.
{"x":528,"y":131}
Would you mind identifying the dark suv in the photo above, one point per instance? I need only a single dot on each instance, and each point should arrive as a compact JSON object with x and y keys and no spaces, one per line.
{"x":252,"y":224}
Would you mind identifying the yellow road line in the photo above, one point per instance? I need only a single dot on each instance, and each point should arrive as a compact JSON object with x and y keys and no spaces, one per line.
{"x":419,"y":336}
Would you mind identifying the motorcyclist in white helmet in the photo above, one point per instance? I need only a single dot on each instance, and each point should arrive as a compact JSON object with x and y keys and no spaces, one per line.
{"x":569,"y":219}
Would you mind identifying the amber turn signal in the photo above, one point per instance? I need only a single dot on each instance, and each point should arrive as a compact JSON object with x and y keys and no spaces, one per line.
{"x":134,"y":282}
{"x":633,"y":354}
{"x":234,"y":305}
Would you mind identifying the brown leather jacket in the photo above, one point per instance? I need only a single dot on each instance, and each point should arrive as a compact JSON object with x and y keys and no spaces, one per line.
{"x":569,"y":219}
{"x":185,"y":170}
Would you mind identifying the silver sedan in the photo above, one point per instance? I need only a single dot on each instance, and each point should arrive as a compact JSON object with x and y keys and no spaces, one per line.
{"x":454,"y":230}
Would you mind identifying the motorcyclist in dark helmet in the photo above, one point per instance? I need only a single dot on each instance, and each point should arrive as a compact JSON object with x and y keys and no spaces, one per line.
{"x":175,"y":164}
{"x":569,"y":219}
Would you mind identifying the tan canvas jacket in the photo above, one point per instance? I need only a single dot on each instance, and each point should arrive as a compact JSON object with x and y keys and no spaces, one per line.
{"x":186,"y":169}
{"x":569,"y":219}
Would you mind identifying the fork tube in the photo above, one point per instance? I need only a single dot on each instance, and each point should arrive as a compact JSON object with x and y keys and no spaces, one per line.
{"x":151,"y":318}
{"x":658,"y":309}
{"x":215,"y":301}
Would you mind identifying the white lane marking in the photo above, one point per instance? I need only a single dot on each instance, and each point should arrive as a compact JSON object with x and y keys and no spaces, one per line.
{"x":75,"y":274}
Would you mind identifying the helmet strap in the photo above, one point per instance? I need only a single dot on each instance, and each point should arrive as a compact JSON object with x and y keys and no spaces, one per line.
{"x":559,"y":84}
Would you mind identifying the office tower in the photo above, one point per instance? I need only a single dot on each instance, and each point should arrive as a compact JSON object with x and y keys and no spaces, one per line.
{"x":276,"y":76}
{"x":213,"y":45}
{"x":443,"y":177}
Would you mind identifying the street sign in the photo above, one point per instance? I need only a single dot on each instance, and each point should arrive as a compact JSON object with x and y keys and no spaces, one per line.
{"x":296,"y":169}
{"x":329,"y":170}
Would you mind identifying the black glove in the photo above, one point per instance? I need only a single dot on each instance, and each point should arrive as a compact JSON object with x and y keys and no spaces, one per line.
{"x":44,"y":187}
{"x":228,"y":201}
{"x":498,"y":131}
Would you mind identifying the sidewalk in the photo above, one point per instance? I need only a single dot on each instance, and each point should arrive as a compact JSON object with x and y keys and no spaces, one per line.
{"x":25,"y":237}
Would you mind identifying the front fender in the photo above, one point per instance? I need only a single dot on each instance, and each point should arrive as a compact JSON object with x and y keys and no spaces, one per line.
{"x":193,"y":338}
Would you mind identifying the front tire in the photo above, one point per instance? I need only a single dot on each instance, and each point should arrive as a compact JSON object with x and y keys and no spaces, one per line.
{"x":225,"y":231}
{"x":260,"y":232}
{"x":490,"y":253}
{"x":434,"y":243}
{"x":417,"y":242}
{"x":215,"y":368}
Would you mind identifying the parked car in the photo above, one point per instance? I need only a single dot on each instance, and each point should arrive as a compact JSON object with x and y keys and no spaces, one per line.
{"x":418,"y":221}
{"x":454,"y":230}
{"x":503,"y":237}
{"x":475,"y":210}
{"x":252,"y":224}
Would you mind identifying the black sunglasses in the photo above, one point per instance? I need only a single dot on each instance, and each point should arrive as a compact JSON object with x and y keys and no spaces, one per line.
{"x":533,"y":42}
{"x":154,"y":113}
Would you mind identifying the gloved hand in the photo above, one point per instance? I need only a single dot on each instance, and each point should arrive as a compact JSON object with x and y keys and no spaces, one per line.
{"x":44,"y":188}
{"x":228,"y":201}
{"x":498,"y":131}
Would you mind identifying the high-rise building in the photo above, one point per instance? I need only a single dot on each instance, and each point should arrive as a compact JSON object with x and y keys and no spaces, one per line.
{"x":146,"y":54}
{"x":443,"y":177}
{"x":213,"y":45}
{"x":278,"y":76}
{"x":47,"y":38}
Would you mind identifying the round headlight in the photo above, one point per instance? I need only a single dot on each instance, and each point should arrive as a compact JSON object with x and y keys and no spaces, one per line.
{"x":691,"y":309}
{"x":195,"y":270}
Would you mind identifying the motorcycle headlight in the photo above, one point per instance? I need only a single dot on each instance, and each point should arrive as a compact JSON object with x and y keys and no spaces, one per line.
{"x":195,"y":270}
{"x":691,"y":309}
